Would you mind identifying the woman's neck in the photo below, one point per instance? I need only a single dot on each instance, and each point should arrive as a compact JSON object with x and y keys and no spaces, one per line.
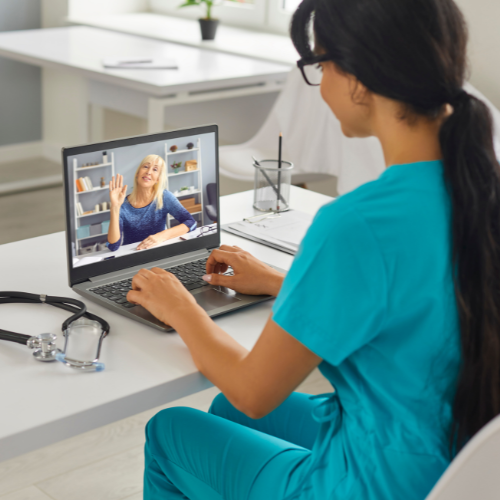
{"x":406,"y":140}
{"x":143,"y":197}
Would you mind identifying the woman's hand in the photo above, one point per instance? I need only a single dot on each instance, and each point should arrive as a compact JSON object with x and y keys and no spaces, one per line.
{"x":117,"y":191}
{"x":162,"y":294}
{"x":151,"y":241}
{"x":251,"y":276}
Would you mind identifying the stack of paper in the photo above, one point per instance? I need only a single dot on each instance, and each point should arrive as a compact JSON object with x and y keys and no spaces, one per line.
{"x":283,"y":232}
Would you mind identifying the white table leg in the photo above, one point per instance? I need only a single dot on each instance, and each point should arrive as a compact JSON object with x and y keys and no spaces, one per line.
{"x":96,"y":123}
{"x":65,"y":111}
{"x":155,"y":115}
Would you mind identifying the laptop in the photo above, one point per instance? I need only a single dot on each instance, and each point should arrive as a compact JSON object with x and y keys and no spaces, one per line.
{"x":102,"y":272}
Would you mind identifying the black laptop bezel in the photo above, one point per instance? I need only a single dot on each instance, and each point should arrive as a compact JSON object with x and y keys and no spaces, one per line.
{"x":84,"y":273}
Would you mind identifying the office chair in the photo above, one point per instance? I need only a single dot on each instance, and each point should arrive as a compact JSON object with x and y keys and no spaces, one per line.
{"x":211,"y":207}
{"x":475,"y":472}
{"x":313,"y":141}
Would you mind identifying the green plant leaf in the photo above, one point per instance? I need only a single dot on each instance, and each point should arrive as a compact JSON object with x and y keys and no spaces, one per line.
{"x":190,"y":3}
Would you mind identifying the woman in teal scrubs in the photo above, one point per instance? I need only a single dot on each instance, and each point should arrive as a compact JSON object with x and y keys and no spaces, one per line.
{"x":393,"y":294}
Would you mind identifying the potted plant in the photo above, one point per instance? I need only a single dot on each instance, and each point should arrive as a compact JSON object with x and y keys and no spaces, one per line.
{"x":208,"y":25}
{"x":176,"y":166}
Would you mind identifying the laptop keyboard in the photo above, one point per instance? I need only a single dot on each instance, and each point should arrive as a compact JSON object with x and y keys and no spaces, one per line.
{"x":188,"y":274}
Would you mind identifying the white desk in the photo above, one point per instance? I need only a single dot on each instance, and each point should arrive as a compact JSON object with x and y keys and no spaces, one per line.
{"x":229,"y":39}
{"x":74,"y":76}
{"x":43,"y":403}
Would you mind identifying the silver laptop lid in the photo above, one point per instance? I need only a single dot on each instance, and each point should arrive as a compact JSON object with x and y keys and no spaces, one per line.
{"x":187,"y":186}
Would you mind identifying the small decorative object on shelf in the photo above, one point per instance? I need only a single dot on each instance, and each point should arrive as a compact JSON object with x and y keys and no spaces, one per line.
{"x":191,"y":165}
{"x":190,"y":145}
{"x":173,"y":148}
{"x":184,"y":189}
{"x":208,"y":25}
{"x":103,"y":183}
{"x":176,"y":166}
{"x":105,"y":157}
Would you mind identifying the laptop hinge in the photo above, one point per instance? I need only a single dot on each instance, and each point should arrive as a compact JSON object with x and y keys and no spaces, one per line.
{"x":163,"y":263}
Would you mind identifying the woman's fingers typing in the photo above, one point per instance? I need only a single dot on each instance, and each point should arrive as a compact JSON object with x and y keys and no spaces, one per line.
{"x":251,"y":276}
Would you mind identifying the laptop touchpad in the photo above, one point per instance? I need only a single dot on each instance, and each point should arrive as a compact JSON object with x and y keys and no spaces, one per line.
{"x":213,"y":299}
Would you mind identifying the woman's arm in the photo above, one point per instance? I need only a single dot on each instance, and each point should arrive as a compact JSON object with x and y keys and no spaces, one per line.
{"x":243,"y":376}
{"x":255,"y":382}
{"x":165,"y":235}
{"x":171,"y":206}
{"x":175,"y":208}
{"x":114,"y":225}
{"x":117,"y":193}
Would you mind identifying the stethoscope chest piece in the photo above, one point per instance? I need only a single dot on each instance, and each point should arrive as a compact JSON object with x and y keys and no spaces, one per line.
{"x":83,"y":333}
{"x":45,"y":346}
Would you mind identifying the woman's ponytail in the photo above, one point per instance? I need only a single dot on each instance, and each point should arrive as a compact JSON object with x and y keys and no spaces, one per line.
{"x":472,"y":174}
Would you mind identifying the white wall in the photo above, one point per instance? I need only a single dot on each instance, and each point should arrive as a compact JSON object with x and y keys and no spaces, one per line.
{"x":86,"y":7}
{"x":483,"y":18}
{"x":20,"y":96}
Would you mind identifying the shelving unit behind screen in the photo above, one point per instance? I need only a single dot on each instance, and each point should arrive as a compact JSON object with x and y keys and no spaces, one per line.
{"x":198,"y":193}
{"x":94,"y":218}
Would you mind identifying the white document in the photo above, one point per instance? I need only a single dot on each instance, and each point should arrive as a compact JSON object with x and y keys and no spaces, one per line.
{"x":285,"y":231}
{"x":139,"y":63}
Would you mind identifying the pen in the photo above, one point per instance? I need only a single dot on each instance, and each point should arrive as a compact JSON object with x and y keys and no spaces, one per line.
{"x":136,"y":62}
{"x":279,"y":173}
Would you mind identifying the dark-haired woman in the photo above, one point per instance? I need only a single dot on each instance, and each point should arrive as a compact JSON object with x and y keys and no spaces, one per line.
{"x":394,"y":292}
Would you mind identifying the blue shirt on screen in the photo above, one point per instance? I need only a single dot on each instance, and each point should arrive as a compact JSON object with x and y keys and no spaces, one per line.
{"x":136,"y":224}
{"x":371,"y":292}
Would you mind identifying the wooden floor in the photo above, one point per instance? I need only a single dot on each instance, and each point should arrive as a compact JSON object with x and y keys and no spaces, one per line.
{"x":104,"y":464}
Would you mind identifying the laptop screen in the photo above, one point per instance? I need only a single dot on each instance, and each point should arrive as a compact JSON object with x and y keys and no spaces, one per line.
{"x":131,"y":196}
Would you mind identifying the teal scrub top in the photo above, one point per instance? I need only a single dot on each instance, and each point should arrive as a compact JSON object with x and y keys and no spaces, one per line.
{"x":371,"y":292}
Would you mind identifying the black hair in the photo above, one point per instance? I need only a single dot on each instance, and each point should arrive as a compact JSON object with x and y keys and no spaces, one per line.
{"x":414,"y":52}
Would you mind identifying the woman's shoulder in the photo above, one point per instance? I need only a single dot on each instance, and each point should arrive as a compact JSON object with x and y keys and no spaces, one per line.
{"x":168,"y":196}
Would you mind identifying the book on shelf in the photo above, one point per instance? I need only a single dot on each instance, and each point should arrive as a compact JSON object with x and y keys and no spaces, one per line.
{"x":84,"y":184}
{"x":79,"y":209}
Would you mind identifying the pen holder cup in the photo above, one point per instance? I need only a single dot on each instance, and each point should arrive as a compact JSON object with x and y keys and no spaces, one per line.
{"x":272,"y":186}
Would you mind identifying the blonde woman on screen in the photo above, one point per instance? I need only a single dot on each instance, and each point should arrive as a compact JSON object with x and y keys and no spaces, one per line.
{"x":141,"y":216}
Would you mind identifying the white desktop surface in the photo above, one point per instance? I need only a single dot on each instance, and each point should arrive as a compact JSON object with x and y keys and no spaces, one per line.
{"x":81,"y":50}
{"x":42,"y":403}
{"x":229,"y":39}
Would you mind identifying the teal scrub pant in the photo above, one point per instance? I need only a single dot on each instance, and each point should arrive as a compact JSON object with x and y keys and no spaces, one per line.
{"x":225,"y":455}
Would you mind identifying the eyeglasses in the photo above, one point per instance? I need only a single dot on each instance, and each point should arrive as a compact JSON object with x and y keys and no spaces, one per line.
{"x":311,"y":70}
{"x":205,"y":230}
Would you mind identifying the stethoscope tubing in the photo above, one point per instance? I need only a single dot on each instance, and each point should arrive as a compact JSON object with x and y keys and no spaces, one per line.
{"x":74,"y":306}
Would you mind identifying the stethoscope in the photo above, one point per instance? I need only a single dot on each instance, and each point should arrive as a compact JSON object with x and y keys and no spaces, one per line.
{"x":44,"y":345}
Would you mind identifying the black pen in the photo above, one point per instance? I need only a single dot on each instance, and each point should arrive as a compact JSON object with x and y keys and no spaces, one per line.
{"x":279,"y":173}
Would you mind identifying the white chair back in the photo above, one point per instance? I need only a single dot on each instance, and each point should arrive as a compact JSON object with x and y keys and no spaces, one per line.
{"x":475,"y":472}
{"x":313,"y":140}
